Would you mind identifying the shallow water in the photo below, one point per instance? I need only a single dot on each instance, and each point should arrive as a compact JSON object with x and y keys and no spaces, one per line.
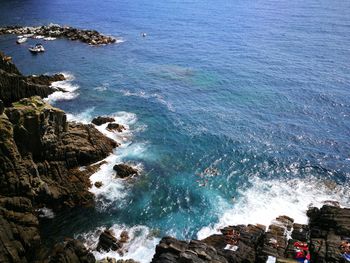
{"x":252,"y":96}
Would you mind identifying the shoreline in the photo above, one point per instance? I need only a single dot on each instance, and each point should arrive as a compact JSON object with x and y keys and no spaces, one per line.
{"x":187,"y":251}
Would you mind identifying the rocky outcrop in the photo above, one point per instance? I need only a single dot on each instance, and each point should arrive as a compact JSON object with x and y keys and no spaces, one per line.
{"x":115,"y":127}
{"x":91,"y":37}
{"x":329,"y":226}
{"x":71,"y":251}
{"x":284,"y":241}
{"x":108,"y":241}
{"x":102,"y":120}
{"x":39,"y":155}
{"x":14,"y":86}
{"x":124,"y":170}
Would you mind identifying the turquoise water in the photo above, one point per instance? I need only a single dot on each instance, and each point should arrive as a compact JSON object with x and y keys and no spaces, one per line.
{"x":252,"y":96}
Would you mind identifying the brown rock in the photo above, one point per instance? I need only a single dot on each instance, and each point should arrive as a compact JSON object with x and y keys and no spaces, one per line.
{"x":102,"y":120}
{"x":115,"y":126}
{"x":124,"y":170}
{"x":108,"y":241}
{"x":98,"y":184}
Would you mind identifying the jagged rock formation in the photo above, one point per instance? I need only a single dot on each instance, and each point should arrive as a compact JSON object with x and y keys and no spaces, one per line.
{"x":124,"y":170}
{"x":92,"y":37}
{"x":40,"y":153}
{"x":102,"y":120}
{"x":322,"y":237}
{"x":115,"y":127}
{"x":71,"y":251}
{"x":14,"y":86}
{"x":328,"y":227}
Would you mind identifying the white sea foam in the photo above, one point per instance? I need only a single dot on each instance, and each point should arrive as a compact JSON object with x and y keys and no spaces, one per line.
{"x":141,"y":245}
{"x":69,"y":89}
{"x":119,"y":40}
{"x":46,"y":212}
{"x":83,"y":117}
{"x":114,"y":189}
{"x":266,"y":200}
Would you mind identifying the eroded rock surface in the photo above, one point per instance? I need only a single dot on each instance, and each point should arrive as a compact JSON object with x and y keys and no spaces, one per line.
{"x":15,"y":86}
{"x":40,"y":153}
{"x":283,"y":240}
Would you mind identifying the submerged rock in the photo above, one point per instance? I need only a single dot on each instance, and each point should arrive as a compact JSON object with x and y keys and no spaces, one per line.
{"x":124,"y":170}
{"x":102,"y":120}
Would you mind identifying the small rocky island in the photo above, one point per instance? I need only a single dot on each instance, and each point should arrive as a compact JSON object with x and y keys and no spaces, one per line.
{"x":91,"y":37}
{"x":40,"y":156}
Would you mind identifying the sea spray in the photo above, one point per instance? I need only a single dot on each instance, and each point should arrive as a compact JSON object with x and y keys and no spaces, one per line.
{"x":140,"y":247}
{"x":66,"y":90}
{"x":265,"y":200}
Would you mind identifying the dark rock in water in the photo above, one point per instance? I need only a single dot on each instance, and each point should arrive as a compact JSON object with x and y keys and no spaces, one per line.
{"x":14,"y":86}
{"x":98,"y":184}
{"x":124,"y":170}
{"x":102,"y":120}
{"x":2,"y":107}
{"x":71,"y":251}
{"x":124,"y":237}
{"x":115,"y":126}
{"x":108,"y":241}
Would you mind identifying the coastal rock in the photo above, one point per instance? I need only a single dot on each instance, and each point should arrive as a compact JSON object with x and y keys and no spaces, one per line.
{"x":98,"y":184}
{"x":115,"y":127}
{"x":2,"y":107}
{"x":91,"y":37}
{"x":102,"y":120}
{"x":328,"y":227}
{"x":14,"y":86}
{"x":172,"y":250}
{"x":107,"y":241}
{"x":124,"y":170}
{"x":19,"y":233}
{"x":323,"y":235}
{"x":71,"y":251}
{"x":40,"y":156}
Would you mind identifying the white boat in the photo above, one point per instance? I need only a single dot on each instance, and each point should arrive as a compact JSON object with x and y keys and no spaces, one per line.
{"x":38,"y":48}
{"x":21,"y":40}
{"x":38,"y":37}
{"x":49,"y":38}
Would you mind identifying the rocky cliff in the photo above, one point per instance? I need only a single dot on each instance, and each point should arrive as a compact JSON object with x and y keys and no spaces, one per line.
{"x":15,"y":86}
{"x":40,"y":153}
{"x":320,"y":241}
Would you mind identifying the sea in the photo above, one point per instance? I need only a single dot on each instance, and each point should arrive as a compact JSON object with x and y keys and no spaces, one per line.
{"x":237,"y":111}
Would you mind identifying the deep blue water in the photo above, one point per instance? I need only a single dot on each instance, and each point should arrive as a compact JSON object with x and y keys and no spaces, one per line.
{"x":257,"y":90}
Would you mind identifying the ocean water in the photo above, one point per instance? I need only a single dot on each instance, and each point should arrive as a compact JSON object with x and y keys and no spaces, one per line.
{"x":237,"y":111}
